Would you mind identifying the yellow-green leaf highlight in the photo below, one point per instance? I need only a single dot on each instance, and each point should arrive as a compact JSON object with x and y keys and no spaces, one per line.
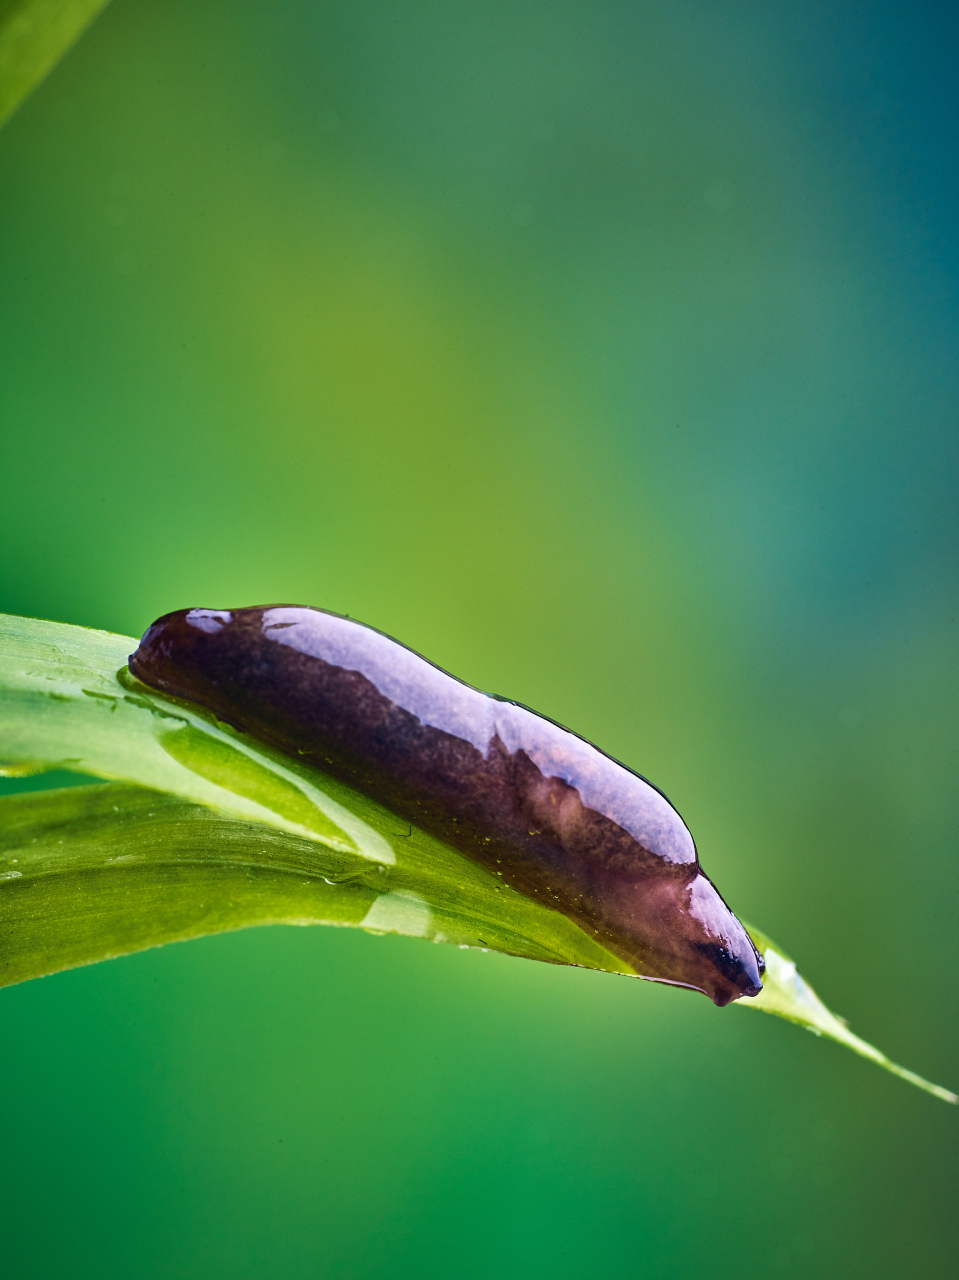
{"x":34,"y":36}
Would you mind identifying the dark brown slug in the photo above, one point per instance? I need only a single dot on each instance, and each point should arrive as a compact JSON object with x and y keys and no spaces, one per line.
{"x":562,"y":822}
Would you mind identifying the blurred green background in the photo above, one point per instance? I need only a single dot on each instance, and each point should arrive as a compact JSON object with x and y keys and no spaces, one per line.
{"x":605,"y":352}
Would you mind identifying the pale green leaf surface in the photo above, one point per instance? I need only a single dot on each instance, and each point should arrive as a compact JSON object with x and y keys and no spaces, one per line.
{"x":34,"y":36}
{"x":786,"y":994}
{"x":89,"y":873}
{"x":204,"y":829}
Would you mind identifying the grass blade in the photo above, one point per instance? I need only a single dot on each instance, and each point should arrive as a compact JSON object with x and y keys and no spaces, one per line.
{"x":91,"y":873}
{"x":204,"y":829}
{"x":34,"y":36}
{"x":786,"y":994}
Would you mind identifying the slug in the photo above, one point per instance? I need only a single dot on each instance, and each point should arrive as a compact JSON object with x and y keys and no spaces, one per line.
{"x":558,"y":819}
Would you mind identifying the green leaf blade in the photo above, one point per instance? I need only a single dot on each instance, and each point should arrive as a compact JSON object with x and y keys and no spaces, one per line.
{"x":202,"y":829}
{"x":91,"y":873}
{"x":34,"y":36}
{"x":786,"y":994}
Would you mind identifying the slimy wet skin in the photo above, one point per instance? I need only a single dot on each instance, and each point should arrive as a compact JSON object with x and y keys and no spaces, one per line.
{"x":561,"y":821}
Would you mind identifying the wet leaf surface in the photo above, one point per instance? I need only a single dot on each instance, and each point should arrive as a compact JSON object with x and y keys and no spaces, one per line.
{"x":203,"y":829}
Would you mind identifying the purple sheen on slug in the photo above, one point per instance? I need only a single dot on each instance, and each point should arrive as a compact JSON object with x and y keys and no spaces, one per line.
{"x":562,"y":822}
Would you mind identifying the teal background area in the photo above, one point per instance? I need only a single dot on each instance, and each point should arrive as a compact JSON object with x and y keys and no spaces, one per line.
{"x":606,"y":353}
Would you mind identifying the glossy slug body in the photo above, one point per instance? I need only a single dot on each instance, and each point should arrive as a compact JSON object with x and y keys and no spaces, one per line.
{"x":561,"y":821}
